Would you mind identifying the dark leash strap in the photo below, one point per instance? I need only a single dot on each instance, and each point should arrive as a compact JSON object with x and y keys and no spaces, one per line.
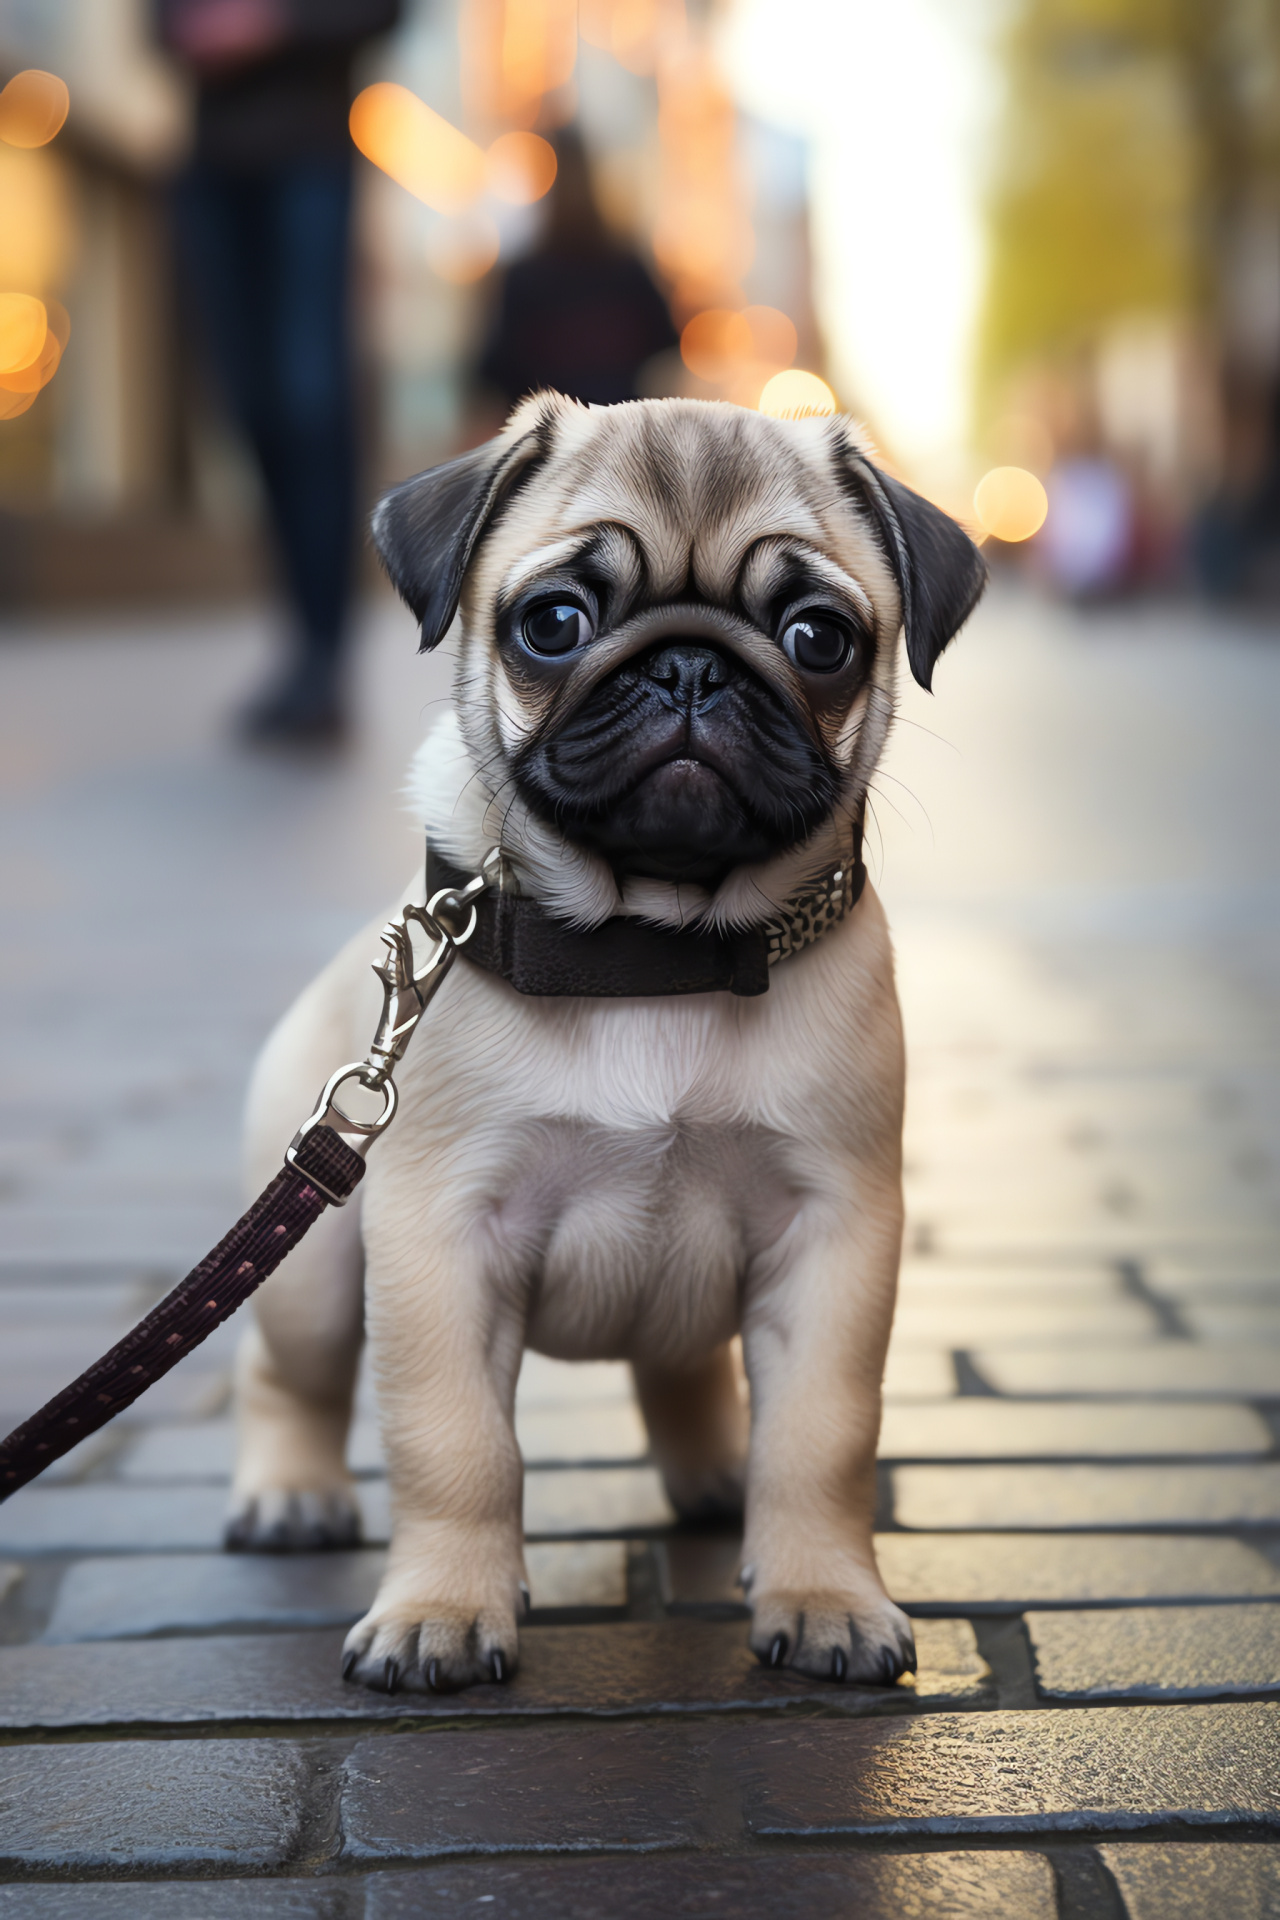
{"x":211,"y":1292}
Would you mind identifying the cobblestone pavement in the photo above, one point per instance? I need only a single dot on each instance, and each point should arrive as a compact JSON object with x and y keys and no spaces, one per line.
{"x":1080,"y":1492}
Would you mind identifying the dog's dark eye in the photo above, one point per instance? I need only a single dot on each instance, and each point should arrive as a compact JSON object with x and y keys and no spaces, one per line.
{"x":816,"y":644}
{"x":557,"y":626}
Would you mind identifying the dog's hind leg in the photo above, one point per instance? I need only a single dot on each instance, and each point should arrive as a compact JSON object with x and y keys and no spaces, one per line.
{"x":296,"y":1368}
{"x":698,"y":1424}
{"x":295,"y":1376}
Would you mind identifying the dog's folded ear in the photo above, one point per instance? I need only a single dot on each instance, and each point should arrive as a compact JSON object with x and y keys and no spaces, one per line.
{"x":426,"y":529}
{"x":940,"y":573}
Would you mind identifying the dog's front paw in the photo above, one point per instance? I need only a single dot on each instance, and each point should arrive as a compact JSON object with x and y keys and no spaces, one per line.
{"x":833,"y":1636}
{"x":435,"y":1650}
{"x":281,"y":1520}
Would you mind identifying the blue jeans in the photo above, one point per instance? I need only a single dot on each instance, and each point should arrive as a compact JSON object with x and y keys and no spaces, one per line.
{"x":266,"y":257}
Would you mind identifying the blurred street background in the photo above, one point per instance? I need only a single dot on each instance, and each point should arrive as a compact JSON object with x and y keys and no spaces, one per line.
{"x":259,"y":260}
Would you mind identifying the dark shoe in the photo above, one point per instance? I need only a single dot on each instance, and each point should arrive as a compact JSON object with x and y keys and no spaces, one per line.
{"x":302,"y":711}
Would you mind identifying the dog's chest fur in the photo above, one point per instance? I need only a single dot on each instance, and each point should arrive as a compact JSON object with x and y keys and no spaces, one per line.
{"x":625,"y":1166}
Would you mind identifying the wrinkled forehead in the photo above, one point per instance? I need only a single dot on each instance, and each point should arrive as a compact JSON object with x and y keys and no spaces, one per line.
{"x":696,"y":488}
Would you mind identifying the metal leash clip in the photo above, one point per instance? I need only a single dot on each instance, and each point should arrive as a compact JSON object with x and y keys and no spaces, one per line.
{"x":408,"y":986}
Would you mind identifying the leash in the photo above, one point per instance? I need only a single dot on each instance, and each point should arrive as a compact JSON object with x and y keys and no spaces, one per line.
{"x":321,"y":1169}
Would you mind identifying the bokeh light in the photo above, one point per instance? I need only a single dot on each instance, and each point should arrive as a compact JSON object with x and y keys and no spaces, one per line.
{"x":58,"y":321}
{"x":515,"y":53}
{"x":462,"y":251}
{"x":417,"y":147}
{"x":797,"y":395}
{"x":32,"y":108}
{"x":521,"y":168}
{"x":1010,"y":504}
{"x":24,"y":324}
{"x":773,"y":336}
{"x":39,"y":372}
{"x":714,"y":341}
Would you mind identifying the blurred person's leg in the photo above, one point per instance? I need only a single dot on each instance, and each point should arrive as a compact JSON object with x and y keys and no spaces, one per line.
{"x":265,"y":255}
{"x":305,"y":434}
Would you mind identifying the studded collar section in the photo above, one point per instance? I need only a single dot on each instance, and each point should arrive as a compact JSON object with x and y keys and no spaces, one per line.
{"x":625,"y":958}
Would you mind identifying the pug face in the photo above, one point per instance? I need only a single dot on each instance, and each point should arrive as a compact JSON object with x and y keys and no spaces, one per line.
{"x":678,"y":630}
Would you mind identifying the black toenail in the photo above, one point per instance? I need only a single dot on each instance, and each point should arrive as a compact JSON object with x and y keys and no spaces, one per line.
{"x":837,"y":1664}
{"x":433,"y":1675}
{"x":350,"y":1660}
{"x":499,"y":1671}
{"x":778,"y":1651}
{"x":390,"y":1674}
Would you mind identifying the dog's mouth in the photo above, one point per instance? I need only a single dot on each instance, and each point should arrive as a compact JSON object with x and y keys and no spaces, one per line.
{"x":680,"y":765}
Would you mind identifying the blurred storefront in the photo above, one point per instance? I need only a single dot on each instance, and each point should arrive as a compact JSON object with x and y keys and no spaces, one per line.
{"x":120,"y":480}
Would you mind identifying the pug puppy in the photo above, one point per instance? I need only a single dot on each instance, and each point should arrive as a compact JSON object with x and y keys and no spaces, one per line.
{"x":677,"y":625}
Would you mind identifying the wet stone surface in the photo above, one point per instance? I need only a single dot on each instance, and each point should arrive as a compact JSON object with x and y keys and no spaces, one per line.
{"x":1188,"y":1882}
{"x":1140,"y":1654}
{"x":938,"y":1886}
{"x":188,"y":1803}
{"x":1114,"y":1768}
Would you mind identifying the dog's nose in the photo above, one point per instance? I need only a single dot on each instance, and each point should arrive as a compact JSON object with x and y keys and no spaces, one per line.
{"x":690,"y":677}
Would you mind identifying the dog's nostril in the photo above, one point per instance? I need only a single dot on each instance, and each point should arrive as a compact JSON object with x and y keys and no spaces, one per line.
{"x":691,"y":673}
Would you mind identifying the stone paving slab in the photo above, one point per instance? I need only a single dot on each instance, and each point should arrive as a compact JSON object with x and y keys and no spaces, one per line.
{"x":88,"y":1519}
{"x":580,"y":1435}
{"x":1143,"y":1654}
{"x":977,"y":1427}
{"x":1230,"y":1321}
{"x":918,"y":1373}
{"x":132,"y":1803}
{"x":1192,"y":1881}
{"x":935,"y":1886}
{"x":1107,"y":1769}
{"x":1175,"y":1367}
{"x":594,"y":1500}
{"x":127,"y":1596}
{"x":1014,"y":1497}
{"x":312,"y":1899}
{"x":569,"y":1789}
{"x":633,"y":1667}
{"x":1024,"y":1323}
{"x":1005,"y":1573}
{"x":1100,"y":1770}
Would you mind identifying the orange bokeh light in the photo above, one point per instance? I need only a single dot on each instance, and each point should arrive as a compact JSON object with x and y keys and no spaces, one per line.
{"x":23,"y":326}
{"x":713,"y":342}
{"x":1010,"y":503}
{"x":796,"y":395}
{"x":32,"y":108}
{"x":773,"y":336}
{"x":12,"y":404}
{"x":39,"y":373}
{"x":417,"y":147}
{"x":521,"y":168}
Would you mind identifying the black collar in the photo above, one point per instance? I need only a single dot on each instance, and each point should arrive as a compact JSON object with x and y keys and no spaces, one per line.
{"x":624,"y":958}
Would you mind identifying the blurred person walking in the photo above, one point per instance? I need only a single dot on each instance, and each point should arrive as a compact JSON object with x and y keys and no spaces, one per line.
{"x":263,"y":219}
{"x":580,"y":312}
